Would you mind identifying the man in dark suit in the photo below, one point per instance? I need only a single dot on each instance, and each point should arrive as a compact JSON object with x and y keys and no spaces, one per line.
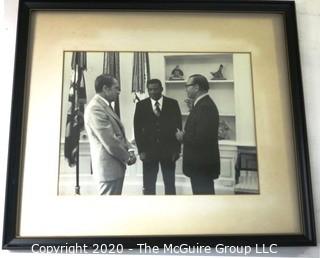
{"x":156,"y":121}
{"x":201,"y":158}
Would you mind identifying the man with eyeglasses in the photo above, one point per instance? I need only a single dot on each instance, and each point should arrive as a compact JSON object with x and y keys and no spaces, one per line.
{"x":201,"y":158}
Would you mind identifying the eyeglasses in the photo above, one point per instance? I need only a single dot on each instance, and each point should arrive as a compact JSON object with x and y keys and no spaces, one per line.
{"x":191,"y":84}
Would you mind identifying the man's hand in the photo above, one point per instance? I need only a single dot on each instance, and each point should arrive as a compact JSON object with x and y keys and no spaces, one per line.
{"x":179,"y":135}
{"x":132,"y":158}
{"x":143,"y":156}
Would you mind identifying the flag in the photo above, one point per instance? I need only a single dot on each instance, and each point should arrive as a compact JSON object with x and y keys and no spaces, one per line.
{"x":141,"y":72}
{"x":111,"y":65}
{"x":77,"y":99}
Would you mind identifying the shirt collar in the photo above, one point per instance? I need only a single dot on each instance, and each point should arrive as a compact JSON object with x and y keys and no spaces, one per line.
{"x":160,"y":101}
{"x":106,"y":101}
{"x":201,"y":97}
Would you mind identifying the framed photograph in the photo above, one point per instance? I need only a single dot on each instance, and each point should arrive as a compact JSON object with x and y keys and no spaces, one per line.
{"x":163,"y":123}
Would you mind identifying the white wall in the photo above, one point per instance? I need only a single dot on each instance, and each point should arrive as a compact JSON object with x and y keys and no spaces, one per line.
{"x":244,"y":99}
{"x":308,"y":15}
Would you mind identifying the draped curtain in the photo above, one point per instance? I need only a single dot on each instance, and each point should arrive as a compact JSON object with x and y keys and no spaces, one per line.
{"x":141,"y":72}
{"x":111,"y":65}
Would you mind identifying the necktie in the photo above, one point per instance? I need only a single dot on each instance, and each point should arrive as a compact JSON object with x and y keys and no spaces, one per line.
{"x":157,"y":110}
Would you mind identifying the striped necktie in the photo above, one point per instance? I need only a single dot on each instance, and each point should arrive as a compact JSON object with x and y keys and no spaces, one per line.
{"x":157,"y":110}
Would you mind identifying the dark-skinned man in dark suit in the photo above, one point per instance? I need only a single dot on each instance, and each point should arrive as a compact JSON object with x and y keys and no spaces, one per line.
{"x":201,"y":158}
{"x":156,"y":121}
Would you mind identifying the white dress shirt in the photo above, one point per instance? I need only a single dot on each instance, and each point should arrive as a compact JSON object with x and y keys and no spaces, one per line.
{"x":153,"y":102}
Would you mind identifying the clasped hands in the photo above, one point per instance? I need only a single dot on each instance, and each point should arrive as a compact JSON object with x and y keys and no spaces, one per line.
{"x":179,"y":135}
{"x":132,"y":158}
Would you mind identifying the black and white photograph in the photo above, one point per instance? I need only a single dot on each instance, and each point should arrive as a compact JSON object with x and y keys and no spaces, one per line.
{"x":157,"y":123}
{"x":177,"y":123}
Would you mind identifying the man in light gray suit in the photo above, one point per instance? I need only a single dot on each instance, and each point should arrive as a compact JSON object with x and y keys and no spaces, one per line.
{"x":109,"y":147}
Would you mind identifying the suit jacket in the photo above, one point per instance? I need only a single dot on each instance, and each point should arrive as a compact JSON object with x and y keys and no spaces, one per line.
{"x":108,"y":143}
{"x":156,"y":135}
{"x":201,"y":148}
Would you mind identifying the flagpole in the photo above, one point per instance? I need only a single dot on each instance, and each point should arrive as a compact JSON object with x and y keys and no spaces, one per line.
{"x":75,"y":123}
{"x":77,"y":187}
{"x":75,"y":91}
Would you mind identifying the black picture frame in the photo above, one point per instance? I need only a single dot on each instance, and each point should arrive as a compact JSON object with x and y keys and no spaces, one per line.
{"x":12,"y":241}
